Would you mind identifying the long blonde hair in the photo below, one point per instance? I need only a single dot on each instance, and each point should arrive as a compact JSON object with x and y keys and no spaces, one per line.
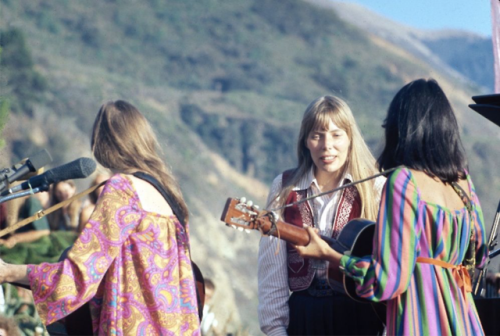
{"x":360,"y":162}
{"x":122,"y":139}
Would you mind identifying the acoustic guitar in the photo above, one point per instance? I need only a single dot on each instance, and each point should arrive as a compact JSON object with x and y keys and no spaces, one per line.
{"x":356,"y":238}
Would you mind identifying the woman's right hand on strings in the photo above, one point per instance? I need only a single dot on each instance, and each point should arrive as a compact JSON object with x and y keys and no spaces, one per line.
{"x":317,"y":247}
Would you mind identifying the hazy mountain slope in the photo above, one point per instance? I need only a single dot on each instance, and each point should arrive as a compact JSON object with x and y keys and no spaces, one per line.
{"x":469,"y":54}
{"x":462,"y":54}
{"x":225,"y":85}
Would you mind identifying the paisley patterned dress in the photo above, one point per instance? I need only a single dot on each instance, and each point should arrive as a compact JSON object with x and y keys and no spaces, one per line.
{"x":132,"y":265}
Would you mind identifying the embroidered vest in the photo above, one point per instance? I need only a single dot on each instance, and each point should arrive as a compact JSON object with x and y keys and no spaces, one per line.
{"x":300,"y":271}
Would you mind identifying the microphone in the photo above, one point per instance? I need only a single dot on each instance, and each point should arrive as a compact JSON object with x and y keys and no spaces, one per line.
{"x":32,"y":164}
{"x":80,"y":168}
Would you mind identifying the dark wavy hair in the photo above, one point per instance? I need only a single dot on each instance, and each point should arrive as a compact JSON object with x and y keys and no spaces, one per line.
{"x":421,"y":132}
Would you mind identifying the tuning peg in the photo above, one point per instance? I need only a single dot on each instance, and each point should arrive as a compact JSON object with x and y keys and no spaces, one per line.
{"x":256,"y":207}
{"x":240,"y":229}
{"x":249,"y":203}
{"x":247,"y":230}
{"x":233,"y":226}
{"x":243,"y":200}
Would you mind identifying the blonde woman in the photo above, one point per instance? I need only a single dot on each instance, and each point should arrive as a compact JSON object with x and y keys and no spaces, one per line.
{"x":131,"y":262}
{"x":331,"y":153}
{"x":430,"y":222}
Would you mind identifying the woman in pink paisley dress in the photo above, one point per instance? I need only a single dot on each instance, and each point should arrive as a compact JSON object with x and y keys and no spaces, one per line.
{"x":131,"y":261}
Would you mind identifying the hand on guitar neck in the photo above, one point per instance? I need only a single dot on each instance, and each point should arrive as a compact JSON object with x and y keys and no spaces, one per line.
{"x":318,"y":248}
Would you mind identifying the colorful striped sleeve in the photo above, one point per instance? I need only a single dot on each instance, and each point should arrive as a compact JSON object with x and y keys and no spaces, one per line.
{"x":387,"y":272}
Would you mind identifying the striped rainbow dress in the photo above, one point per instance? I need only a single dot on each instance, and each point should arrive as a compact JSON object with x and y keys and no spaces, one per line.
{"x":422,"y":299}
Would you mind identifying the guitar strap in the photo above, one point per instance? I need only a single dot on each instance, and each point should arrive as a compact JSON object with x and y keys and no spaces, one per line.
{"x":464,"y":273}
{"x":170,"y":200}
{"x":178,"y":213}
{"x":469,"y":261}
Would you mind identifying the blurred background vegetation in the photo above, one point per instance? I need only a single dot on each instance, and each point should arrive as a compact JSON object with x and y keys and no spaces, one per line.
{"x":225,"y":85}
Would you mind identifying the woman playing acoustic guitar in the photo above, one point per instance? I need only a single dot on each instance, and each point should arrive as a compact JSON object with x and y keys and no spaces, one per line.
{"x":131,"y":260}
{"x":428,"y":213}
{"x":331,"y":153}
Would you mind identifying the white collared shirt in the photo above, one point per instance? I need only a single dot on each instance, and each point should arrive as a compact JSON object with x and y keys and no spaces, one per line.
{"x":323,"y":207}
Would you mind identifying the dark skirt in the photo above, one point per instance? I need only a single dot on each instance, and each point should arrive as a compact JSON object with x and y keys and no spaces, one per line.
{"x":331,"y":315}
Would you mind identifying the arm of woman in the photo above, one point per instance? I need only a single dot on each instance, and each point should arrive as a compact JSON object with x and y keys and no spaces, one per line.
{"x":24,"y":237}
{"x":272,"y":276}
{"x":13,"y":273}
{"x":319,"y":249}
{"x":74,"y":281}
{"x":387,"y":272}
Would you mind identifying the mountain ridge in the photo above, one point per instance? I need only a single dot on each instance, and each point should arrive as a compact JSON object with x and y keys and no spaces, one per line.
{"x":426,"y":43}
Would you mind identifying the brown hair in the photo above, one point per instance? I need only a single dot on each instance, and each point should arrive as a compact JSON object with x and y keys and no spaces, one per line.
{"x":122,"y":139}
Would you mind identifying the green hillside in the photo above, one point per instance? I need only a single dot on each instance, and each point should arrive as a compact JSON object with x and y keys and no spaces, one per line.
{"x":268,"y":60}
{"x":225,"y":84}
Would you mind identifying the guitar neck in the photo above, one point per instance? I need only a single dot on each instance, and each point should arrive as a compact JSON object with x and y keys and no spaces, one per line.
{"x":238,"y":214}
{"x":291,"y":233}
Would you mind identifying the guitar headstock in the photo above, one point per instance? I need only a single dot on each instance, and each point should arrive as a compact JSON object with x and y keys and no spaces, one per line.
{"x":240,"y":214}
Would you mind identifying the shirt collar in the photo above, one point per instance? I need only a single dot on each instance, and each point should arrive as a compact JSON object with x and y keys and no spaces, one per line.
{"x":308,"y":179}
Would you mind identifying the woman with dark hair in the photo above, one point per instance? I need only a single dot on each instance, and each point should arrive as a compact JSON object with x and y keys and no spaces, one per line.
{"x":429,"y":220}
{"x":132,"y":259}
{"x":331,"y":153}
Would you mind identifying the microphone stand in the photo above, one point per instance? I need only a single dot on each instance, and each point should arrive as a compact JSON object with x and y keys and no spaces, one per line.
{"x":44,"y":187}
{"x":4,"y":178}
{"x":492,"y":242}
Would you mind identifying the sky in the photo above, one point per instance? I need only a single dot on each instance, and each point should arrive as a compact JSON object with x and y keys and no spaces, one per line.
{"x":470,"y":15}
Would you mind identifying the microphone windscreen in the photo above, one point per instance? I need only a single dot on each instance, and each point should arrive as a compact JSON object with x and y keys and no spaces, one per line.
{"x":80,"y":168}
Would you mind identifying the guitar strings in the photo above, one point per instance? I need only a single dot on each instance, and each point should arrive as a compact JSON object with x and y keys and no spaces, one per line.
{"x":385,"y":172}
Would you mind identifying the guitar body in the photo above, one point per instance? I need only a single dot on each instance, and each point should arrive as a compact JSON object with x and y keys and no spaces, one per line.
{"x":200,"y":288}
{"x":356,"y":239}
